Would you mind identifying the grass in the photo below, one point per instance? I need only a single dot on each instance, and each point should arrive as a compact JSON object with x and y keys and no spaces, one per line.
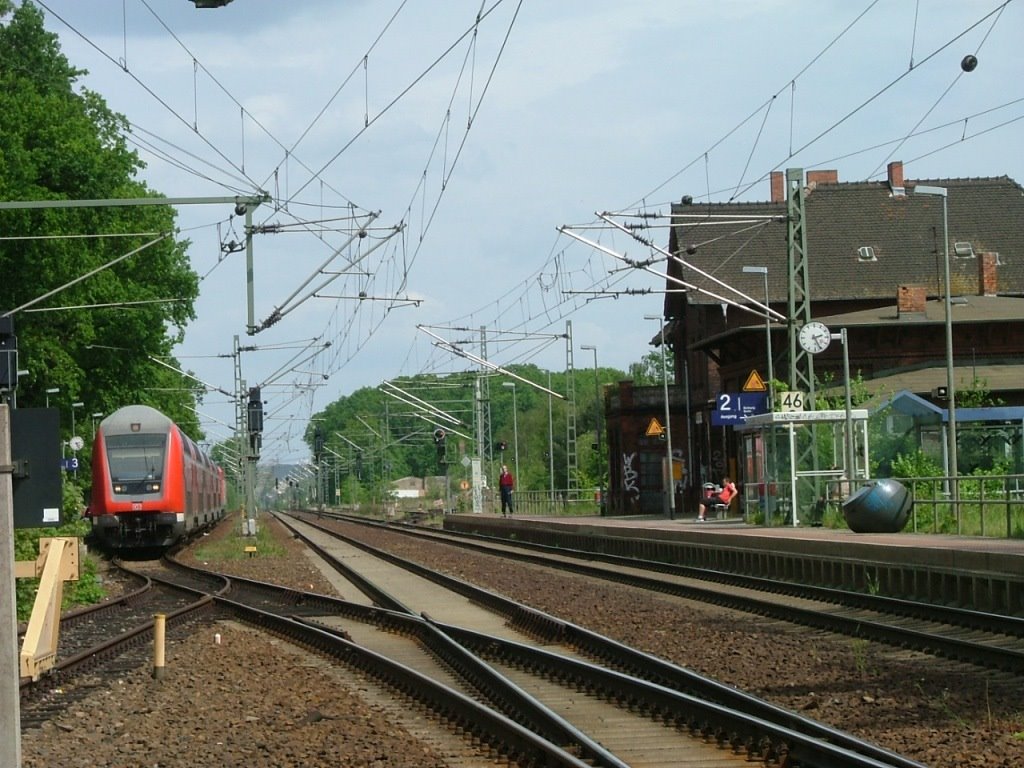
{"x":860,"y":646}
{"x":232,"y":546}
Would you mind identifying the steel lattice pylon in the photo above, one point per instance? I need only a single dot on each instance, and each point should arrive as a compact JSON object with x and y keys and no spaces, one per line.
{"x":571,"y":456}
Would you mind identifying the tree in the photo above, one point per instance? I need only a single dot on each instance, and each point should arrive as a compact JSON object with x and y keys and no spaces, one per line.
{"x":59,"y":143}
{"x":651,"y":368}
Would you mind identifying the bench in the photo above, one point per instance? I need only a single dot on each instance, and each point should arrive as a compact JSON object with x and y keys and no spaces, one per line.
{"x":721,"y":511}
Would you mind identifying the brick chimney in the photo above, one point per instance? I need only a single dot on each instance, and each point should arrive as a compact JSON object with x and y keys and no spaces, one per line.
{"x":778,"y":180}
{"x":814,"y":178}
{"x":910,"y":300}
{"x":895,"y":170}
{"x":987,"y":276}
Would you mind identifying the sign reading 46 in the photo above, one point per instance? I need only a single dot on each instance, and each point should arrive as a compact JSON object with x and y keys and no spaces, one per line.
{"x":791,"y":401}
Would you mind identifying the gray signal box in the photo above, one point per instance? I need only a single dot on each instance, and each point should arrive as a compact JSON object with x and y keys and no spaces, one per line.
{"x":35,"y":450}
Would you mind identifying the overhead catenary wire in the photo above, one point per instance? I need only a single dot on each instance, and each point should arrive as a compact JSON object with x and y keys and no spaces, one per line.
{"x":935,"y":104}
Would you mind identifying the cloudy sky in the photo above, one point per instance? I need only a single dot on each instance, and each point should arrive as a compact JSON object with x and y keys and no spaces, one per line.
{"x":459,"y":136}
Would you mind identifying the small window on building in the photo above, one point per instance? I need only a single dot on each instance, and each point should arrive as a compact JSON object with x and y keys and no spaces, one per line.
{"x":963,"y":250}
{"x":999,"y":262}
{"x":866,"y":253}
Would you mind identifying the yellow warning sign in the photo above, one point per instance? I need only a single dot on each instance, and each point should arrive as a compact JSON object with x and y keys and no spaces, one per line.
{"x":755,"y":383}
{"x":654,"y":429}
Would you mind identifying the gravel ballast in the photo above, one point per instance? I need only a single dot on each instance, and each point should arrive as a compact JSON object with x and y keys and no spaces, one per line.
{"x":252,"y":700}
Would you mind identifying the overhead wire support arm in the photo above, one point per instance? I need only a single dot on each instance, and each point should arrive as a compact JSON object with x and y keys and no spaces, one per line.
{"x":366,"y":424}
{"x":487,"y":364}
{"x":291,"y":303}
{"x":418,"y":402}
{"x":397,"y":301}
{"x":292,"y":364}
{"x":257,"y":199}
{"x":87,"y":275}
{"x":357,"y":447}
{"x":186,"y":374}
{"x":447,"y":430}
{"x":764,"y":307}
{"x":662,"y":275}
{"x":419,"y":409}
{"x":616,"y":294}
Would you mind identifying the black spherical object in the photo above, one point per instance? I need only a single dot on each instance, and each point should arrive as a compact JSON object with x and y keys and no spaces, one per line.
{"x":969,"y":62}
{"x":880,"y":506}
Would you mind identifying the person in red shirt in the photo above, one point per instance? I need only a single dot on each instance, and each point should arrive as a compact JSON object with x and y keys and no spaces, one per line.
{"x":724,"y":496}
{"x":506,"y":483}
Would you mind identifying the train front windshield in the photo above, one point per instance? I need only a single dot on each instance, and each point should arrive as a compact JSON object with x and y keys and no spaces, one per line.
{"x":136,"y":459}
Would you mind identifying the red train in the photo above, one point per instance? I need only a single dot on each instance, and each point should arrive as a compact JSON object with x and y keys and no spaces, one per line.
{"x":151,"y":484}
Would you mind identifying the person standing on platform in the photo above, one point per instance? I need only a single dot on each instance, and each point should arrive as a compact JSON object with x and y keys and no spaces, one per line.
{"x":506,"y":483}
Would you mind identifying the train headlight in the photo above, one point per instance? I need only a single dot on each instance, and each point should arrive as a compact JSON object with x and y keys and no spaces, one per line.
{"x":151,"y":487}
{"x":118,"y":488}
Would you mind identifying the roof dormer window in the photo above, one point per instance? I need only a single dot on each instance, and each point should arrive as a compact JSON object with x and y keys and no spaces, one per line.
{"x":963,"y":250}
{"x":866,"y":253}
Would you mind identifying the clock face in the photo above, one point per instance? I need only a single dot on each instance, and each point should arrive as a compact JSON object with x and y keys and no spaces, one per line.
{"x":815,"y":337}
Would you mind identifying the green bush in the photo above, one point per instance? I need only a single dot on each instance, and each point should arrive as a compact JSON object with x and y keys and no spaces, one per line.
{"x":87,"y":590}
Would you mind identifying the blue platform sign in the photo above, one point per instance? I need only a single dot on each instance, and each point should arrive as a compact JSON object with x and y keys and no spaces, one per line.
{"x":732,"y":408}
{"x":69,"y":464}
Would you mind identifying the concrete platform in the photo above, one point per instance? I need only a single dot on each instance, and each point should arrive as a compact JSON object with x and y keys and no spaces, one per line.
{"x":976,"y":572}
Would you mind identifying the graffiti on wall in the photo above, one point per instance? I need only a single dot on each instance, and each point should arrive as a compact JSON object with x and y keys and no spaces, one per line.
{"x":630,"y":475}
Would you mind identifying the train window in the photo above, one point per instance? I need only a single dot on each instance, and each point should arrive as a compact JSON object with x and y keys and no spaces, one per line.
{"x":136,"y":456}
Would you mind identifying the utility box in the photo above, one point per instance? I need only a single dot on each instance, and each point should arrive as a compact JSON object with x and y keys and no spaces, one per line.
{"x":35,"y":450}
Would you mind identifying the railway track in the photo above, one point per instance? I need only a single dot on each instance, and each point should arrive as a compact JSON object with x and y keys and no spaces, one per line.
{"x":100,"y":644}
{"x":532,"y":689}
{"x":985,"y":639}
{"x":612,"y":695}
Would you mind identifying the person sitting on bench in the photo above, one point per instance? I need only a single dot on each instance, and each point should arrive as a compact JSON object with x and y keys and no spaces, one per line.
{"x":722,"y":497}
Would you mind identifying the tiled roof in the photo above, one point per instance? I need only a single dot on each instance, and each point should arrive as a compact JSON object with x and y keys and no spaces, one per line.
{"x":904,"y":233}
{"x":984,"y":310}
{"x":996,"y":379}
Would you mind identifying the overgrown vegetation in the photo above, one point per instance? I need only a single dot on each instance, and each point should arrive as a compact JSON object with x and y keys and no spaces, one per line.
{"x":233,"y":547}
{"x":87,"y":589}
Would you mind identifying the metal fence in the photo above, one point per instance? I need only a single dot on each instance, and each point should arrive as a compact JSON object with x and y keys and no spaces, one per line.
{"x":975,"y":505}
{"x":579,"y":502}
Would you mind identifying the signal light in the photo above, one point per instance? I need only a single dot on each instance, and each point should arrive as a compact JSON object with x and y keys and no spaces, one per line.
{"x":255,"y":411}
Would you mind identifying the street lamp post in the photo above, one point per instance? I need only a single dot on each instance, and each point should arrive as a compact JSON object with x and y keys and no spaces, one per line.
{"x":922,"y":189}
{"x":515,"y":421}
{"x":851,"y":453}
{"x":72,"y":442}
{"x":767,"y":333}
{"x":51,"y":391}
{"x":670,"y":479}
{"x":551,"y":441}
{"x":96,"y":417}
{"x":769,"y":467}
{"x":73,"y":406}
{"x":597,"y":397}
